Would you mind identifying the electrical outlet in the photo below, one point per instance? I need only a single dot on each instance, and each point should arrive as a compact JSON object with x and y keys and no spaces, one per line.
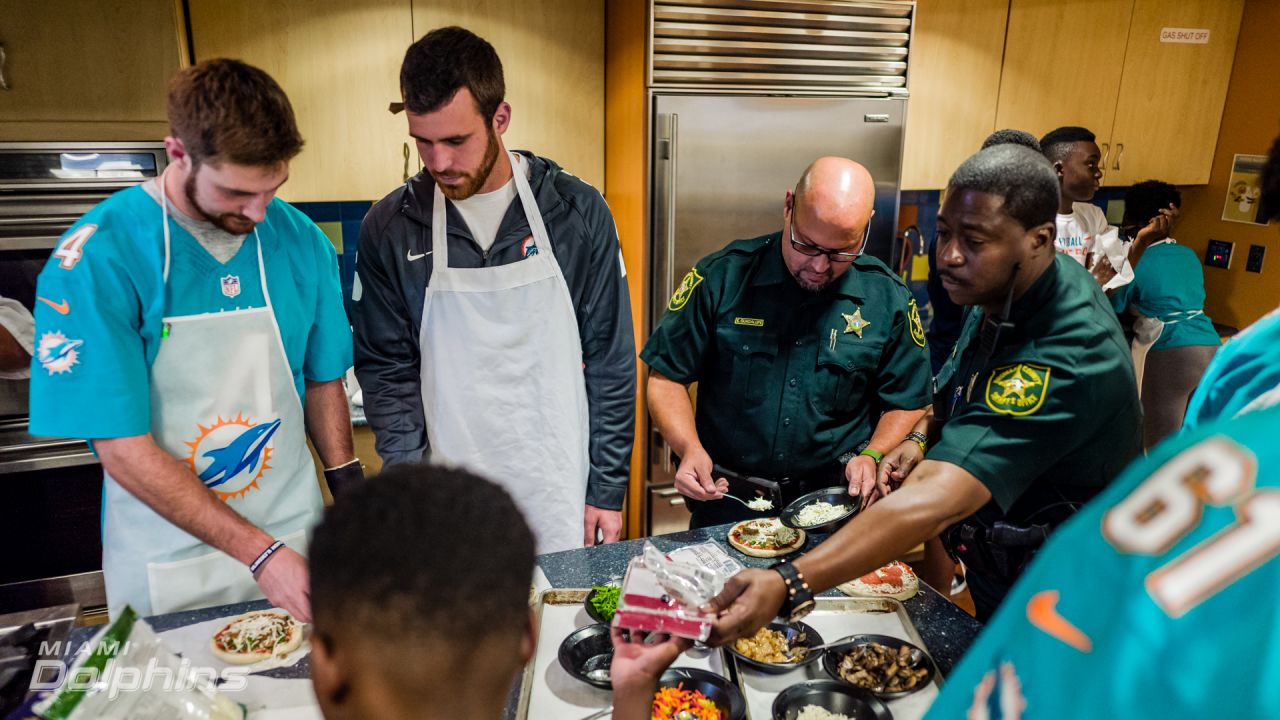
{"x":1254,"y":263}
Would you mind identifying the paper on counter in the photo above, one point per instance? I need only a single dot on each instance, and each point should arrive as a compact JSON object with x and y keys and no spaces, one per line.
{"x":276,"y":697}
{"x":708,"y":555}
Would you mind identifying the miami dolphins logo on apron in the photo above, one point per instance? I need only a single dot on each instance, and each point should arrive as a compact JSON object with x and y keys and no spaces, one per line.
{"x":231,"y":456}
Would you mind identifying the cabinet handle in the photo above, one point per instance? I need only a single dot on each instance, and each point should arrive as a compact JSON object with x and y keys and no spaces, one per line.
{"x":4,"y":83}
{"x":406,"y":162}
{"x":1119,"y":152}
{"x":1106,"y":153}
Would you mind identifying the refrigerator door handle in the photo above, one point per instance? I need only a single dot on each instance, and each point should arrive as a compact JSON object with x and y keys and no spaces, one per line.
{"x":672,"y":156}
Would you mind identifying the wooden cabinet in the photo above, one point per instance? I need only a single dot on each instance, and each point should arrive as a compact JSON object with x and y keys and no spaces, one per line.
{"x":553,"y":63}
{"x":339,"y":63}
{"x":87,"y":69}
{"x":1172,"y":94}
{"x":1155,"y":106}
{"x":954,"y":81}
{"x":1035,"y":65}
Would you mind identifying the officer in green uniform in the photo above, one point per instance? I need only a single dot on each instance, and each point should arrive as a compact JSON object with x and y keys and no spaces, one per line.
{"x":809,"y":356}
{"x":1035,"y":412}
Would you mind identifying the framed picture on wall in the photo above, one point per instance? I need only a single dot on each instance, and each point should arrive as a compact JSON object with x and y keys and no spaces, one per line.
{"x":1244,"y":189}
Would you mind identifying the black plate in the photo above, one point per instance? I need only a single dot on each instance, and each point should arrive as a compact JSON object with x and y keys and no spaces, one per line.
{"x":591,"y":609}
{"x":586,"y":649}
{"x":834,"y":654}
{"x":811,"y":638}
{"x":833,"y":495}
{"x":832,"y":696}
{"x":727,"y":697}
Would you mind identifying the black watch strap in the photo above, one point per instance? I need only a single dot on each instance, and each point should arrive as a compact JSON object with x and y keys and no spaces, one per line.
{"x":798,"y":601}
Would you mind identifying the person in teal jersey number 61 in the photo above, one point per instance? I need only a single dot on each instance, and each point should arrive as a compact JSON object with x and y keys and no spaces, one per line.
{"x":179,"y":326}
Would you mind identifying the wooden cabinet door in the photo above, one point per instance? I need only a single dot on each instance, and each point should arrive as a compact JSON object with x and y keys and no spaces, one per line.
{"x":553,"y":63}
{"x":955,"y":55}
{"x":86,"y":61}
{"x":1172,"y":94}
{"x":339,"y":63}
{"x":1062,"y":65}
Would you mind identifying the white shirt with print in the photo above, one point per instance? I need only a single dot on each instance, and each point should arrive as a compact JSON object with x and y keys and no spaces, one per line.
{"x":1086,"y":230}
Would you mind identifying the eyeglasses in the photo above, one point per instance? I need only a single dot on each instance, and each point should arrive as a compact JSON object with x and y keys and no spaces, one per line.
{"x":812,"y":250}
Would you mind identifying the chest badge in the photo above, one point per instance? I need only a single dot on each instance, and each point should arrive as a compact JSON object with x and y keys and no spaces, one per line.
{"x":855,"y":323}
{"x":231,"y":285}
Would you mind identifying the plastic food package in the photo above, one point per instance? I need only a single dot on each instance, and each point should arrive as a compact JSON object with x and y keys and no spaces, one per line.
{"x":664,"y":595}
{"x":126,"y":673}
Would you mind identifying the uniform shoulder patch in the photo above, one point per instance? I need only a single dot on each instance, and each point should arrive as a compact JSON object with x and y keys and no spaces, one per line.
{"x":1018,"y":389}
{"x":682,"y":294}
{"x":914,"y":324}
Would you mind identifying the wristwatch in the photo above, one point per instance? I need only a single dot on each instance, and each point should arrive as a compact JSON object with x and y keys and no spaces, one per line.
{"x":919,"y":439}
{"x":798,"y":601}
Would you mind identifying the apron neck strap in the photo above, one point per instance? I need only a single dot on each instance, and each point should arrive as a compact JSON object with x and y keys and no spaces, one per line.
{"x":440,"y":226}
{"x":164,"y":215}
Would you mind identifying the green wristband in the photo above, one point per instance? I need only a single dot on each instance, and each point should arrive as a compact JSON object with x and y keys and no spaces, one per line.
{"x":874,"y":455}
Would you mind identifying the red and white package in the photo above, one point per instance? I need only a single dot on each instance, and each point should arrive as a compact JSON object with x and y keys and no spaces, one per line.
{"x":664,"y":595}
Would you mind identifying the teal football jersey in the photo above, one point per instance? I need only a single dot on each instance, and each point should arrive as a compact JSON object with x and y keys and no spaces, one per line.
{"x":1156,"y":600}
{"x":1243,"y":376}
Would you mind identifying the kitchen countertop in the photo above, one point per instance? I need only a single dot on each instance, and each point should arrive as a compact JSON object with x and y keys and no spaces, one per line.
{"x":947,"y":630}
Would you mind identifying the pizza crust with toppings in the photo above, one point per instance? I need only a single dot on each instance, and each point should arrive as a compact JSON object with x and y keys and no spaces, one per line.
{"x":896,"y":580}
{"x":256,"y":636}
{"x":765,"y":537}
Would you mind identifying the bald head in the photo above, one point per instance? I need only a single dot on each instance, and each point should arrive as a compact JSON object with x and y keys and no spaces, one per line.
{"x":838,"y":193}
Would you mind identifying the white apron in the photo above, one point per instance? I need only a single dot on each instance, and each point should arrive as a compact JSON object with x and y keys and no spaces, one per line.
{"x":223,"y":401}
{"x":1147,"y":330}
{"x":502,"y":384}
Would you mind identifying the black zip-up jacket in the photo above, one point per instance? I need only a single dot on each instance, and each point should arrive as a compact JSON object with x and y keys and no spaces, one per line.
{"x":389,"y":291}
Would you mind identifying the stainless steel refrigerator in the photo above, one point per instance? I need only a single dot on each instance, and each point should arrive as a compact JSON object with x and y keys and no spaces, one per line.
{"x":721,"y":167}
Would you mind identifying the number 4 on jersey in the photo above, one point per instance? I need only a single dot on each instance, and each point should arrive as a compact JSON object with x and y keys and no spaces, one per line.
{"x":1169,"y":506}
{"x":72,"y":246}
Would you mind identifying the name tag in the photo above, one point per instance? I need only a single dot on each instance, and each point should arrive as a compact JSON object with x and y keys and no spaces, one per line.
{"x":753,"y":322}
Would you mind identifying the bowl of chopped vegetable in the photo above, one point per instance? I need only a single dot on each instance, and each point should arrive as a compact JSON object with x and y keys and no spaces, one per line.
{"x":778,"y":647}
{"x":828,"y":700}
{"x":602,"y":602}
{"x":821,"y":511}
{"x":702,"y":694}
{"x":888,"y":667}
{"x":587,"y":653}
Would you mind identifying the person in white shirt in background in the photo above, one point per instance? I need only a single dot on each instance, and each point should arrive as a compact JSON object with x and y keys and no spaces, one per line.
{"x":1083,"y":230}
{"x":17,"y":337}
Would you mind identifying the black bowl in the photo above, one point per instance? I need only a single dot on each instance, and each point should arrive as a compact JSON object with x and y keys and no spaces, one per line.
{"x":591,"y":609}
{"x":833,"y":495}
{"x":727,"y":697}
{"x":791,"y":631}
{"x":834,"y":654}
{"x":586,"y":649}
{"x":832,"y":696}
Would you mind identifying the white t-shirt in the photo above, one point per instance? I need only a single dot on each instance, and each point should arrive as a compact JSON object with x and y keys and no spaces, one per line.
{"x":1086,"y":230}
{"x":483,"y":212}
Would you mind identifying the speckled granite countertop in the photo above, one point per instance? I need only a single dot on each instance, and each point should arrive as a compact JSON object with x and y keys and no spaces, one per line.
{"x":946,"y":629}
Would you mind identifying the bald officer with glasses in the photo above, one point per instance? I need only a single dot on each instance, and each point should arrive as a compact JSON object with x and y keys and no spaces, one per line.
{"x":809,"y":356}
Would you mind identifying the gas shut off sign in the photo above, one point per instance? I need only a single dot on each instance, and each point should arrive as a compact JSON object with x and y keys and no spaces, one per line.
{"x":1189,"y":36}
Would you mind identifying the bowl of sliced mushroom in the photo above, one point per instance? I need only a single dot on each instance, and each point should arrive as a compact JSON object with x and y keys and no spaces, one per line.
{"x":885,"y":666}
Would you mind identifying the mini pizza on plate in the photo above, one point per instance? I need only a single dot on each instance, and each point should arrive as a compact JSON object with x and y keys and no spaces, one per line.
{"x":765,"y":537}
{"x":257,"y":636}
{"x":896,"y":580}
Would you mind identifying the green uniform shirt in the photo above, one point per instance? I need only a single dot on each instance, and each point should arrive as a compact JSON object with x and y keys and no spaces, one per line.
{"x":789,"y":380}
{"x":1055,"y":410}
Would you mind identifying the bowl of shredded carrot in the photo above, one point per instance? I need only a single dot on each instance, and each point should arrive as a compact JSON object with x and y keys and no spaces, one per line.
{"x":694,"y":694}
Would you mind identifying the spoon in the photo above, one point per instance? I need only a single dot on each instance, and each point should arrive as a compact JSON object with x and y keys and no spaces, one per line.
{"x":761,"y":503}
{"x":600,"y":674}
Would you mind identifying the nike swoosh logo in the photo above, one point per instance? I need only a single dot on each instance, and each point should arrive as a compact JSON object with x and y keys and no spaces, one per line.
{"x":61,"y":308}
{"x":413,"y":257}
{"x":1042,"y":612}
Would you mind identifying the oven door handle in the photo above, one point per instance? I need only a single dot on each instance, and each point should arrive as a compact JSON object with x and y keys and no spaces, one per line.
{"x":43,"y":456}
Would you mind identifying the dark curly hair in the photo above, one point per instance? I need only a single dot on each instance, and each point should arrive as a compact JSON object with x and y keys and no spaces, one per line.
{"x":1269,"y":206}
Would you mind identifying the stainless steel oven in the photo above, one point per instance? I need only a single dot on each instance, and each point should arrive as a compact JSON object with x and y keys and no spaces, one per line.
{"x":51,"y":488}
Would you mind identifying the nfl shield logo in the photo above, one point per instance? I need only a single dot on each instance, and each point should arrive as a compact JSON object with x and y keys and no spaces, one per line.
{"x":231,"y":285}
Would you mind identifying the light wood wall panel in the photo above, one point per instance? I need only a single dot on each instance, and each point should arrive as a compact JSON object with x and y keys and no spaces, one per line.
{"x":553,"y":62}
{"x":339,"y":62}
{"x":956,"y":52}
